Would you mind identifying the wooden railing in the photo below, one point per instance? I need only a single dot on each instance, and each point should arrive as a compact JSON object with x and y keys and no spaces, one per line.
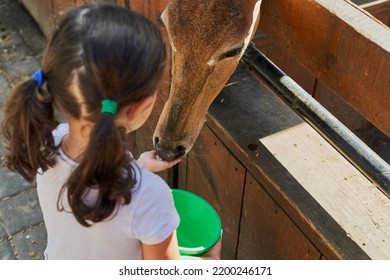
{"x":341,"y":45}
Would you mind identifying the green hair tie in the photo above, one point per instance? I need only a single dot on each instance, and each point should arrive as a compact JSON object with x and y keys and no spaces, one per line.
{"x":109,"y":106}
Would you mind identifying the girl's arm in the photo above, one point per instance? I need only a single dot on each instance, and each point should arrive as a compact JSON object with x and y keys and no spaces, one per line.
{"x":166,"y":250}
{"x":169,"y":250}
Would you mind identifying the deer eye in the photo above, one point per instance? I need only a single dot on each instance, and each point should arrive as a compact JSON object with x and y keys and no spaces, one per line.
{"x":232,"y":52}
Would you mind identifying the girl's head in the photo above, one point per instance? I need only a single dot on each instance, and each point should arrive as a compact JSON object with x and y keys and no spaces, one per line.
{"x":98,"y":52}
{"x":102,"y":52}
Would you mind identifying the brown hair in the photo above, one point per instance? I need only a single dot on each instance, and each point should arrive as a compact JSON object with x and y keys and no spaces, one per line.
{"x":107,"y":52}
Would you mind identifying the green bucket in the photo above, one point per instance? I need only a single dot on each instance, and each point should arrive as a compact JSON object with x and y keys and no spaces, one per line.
{"x":200,"y":227}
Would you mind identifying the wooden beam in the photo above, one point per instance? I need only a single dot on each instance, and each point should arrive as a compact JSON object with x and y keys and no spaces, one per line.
{"x":341,"y":45}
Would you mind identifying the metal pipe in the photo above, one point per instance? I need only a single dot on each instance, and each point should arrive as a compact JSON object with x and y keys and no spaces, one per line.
{"x":354,"y":149}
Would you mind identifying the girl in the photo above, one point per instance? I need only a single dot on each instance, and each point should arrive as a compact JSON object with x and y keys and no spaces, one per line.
{"x":101,"y":68}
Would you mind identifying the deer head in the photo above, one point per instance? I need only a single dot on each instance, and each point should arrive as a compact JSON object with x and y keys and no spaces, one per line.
{"x":207,"y":38}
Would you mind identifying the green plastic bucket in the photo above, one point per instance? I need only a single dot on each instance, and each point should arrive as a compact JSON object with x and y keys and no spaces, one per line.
{"x":200,"y":227}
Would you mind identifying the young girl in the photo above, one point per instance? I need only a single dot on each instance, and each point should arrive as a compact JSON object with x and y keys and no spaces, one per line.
{"x":101,"y":68}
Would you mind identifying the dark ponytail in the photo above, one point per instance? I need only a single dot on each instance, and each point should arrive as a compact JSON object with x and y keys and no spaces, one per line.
{"x":27,"y":126}
{"x":105,"y":166}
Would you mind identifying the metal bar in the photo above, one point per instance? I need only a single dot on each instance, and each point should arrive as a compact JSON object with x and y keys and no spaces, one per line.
{"x":347,"y":143}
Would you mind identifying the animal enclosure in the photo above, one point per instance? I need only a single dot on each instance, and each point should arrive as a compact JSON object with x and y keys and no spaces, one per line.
{"x":281,"y":189}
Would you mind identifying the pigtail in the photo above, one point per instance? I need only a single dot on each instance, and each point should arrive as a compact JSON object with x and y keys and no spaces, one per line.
{"x":27,"y":126}
{"x":105,"y":166}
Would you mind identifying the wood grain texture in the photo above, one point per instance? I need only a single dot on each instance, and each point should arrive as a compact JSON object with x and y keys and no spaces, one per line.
{"x":245,"y":113}
{"x":341,"y":45}
{"x":266,"y":232}
{"x":214,"y":174}
{"x":380,"y":10}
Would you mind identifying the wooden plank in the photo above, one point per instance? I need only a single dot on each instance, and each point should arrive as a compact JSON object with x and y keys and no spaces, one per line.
{"x":344,"y":47}
{"x":359,"y":208}
{"x":266,"y":232}
{"x":61,"y":7}
{"x":337,"y":107}
{"x":379,"y":9}
{"x":42,"y":12}
{"x":381,"y":12}
{"x":345,"y":113}
{"x":141,"y":6}
{"x":122,"y":3}
{"x":214,"y":174}
{"x":332,"y":102}
{"x":363,"y":2}
{"x":328,"y":199}
{"x":47,"y":13}
{"x":286,"y":63}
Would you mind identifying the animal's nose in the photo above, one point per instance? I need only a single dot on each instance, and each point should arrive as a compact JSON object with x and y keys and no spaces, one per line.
{"x":167,"y":152}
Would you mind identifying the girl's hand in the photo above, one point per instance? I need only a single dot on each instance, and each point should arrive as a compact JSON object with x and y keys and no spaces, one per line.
{"x":152,"y":162}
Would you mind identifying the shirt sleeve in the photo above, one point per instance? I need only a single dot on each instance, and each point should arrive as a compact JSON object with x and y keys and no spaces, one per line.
{"x":155,"y":217}
{"x":59,"y":132}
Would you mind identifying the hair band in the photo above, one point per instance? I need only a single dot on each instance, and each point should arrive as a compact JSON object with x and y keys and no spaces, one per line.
{"x":38,"y":78}
{"x":109,"y":106}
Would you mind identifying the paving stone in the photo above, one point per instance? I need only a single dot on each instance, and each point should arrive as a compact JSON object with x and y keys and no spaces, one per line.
{"x":30,"y":244}
{"x":4,"y":88}
{"x":17,"y":61}
{"x":20,"y":211}
{"x":3,"y":231}
{"x":12,"y":183}
{"x":6,"y":252}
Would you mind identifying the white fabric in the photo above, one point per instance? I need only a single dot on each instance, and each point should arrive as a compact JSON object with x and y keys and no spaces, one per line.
{"x":149,"y":218}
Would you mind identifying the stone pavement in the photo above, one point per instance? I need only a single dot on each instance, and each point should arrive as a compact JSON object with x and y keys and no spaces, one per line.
{"x":22,"y":231}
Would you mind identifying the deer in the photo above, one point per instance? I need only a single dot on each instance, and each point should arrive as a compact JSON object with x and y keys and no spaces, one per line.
{"x":207,"y":40}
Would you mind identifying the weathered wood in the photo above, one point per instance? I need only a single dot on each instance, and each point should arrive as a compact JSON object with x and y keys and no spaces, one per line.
{"x":285,"y":62}
{"x":214,"y":174}
{"x":331,"y":202}
{"x":47,"y":13}
{"x":338,"y":108}
{"x":141,"y":6}
{"x":267,"y":232}
{"x":42,"y":12}
{"x":331,"y":101}
{"x":379,"y":9}
{"x":341,"y":45}
{"x":358,"y":207}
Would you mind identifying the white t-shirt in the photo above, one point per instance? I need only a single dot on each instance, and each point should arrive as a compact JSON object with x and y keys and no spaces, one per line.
{"x":149,"y":218}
